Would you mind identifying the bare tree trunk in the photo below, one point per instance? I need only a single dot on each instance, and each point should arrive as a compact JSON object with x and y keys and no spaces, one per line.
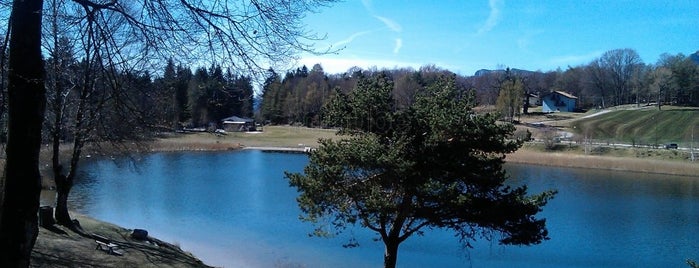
{"x":525,"y":107}
{"x":3,"y":92}
{"x":63,"y":185}
{"x":27,"y":103}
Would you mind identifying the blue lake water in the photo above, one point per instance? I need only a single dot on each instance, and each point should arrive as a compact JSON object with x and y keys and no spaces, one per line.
{"x":235,"y":209}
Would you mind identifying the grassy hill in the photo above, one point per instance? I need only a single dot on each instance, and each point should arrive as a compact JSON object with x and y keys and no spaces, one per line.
{"x":642,"y":126}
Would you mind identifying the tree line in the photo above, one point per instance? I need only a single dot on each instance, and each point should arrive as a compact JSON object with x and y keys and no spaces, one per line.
{"x":183,"y":98}
{"x":298,"y":97}
{"x":178,"y":98}
{"x":617,"y":77}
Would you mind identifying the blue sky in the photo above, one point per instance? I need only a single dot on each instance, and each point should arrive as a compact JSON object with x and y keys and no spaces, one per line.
{"x":467,"y":35}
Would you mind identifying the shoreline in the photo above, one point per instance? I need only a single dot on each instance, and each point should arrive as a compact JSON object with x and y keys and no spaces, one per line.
{"x":522,"y":156}
{"x":615,"y":163}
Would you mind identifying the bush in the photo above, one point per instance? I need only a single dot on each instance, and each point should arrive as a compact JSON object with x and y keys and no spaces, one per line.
{"x":550,"y":138}
{"x":522,"y":134}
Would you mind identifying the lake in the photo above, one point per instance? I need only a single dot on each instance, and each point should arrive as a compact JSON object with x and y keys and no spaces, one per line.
{"x":236,"y":209}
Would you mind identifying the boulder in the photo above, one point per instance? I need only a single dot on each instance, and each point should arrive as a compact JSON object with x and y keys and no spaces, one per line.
{"x":139,"y":234}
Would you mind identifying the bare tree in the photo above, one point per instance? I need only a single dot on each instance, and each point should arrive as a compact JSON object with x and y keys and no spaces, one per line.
{"x":621,"y":65}
{"x":660,"y":83}
{"x":243,"y":34}
{"x":509,"y":102}
{"x":59,"y":86}
{"x":597,"y":77}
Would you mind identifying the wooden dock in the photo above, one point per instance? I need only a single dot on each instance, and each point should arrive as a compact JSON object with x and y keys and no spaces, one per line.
{"x":293,"y":150}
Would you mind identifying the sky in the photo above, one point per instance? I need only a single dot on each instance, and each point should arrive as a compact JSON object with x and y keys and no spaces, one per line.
{"x":464,"y":36}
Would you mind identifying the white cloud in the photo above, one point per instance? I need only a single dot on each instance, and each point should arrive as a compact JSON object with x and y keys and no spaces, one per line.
{"x":340,"y":65}
{"x":350,"y":39}
{"x":493,"y":17}
{"x":525,"y":40}
{"x":391,"y":24}
{"x":394,"y":26}
{"x":399,"y":44}
{"x":523,"y":43}
{"x":575,"y":59}
{"x":367,"y":4}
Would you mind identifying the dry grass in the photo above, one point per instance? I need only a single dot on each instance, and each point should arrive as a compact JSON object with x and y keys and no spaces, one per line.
{"x":60,"y":247}
{"x":272,"y":136}
{"x":637,"y":160}
{"x":633,"y":164}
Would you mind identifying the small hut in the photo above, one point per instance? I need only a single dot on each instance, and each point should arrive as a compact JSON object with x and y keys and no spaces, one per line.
{"x":238,"y":124}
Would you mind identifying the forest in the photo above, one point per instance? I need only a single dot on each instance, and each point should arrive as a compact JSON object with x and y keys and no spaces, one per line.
{"x":617,"y":77}
{"x":142,"y":103}
{"x":177,"y":97}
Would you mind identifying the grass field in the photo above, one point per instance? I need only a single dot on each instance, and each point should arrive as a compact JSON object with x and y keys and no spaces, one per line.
{"x":648,"y":126}
{"x":271,"y":136}
{"x":568,"y":155}
{"x":634,"y":160}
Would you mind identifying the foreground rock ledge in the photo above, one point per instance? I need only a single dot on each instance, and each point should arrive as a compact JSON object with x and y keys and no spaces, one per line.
{"x":58,"y":246}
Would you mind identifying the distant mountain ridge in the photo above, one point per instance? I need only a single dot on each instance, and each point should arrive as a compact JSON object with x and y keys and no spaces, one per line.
{"x":514,"y":71}
{"x":519,"y":72}
{"x":695,"y":57}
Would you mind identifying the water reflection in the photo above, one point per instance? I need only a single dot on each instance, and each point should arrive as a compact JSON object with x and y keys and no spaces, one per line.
{"x":235,"y":209}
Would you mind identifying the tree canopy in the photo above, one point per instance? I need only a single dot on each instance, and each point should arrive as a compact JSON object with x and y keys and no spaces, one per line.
{"x":510,"y":99}
{"x":433,"y":164}
{"x":617,"y":77}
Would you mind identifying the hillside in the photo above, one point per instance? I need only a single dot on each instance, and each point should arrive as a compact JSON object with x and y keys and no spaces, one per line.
{"x":57,"y":246}
{"x":647,"y":126}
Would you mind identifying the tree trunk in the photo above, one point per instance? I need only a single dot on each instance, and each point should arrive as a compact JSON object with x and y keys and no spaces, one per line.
{"x":390,"y":256}
{"x":27,"y":103}
{"x":64,"y":183}
{"x":63,"y":186}
{"x":525,"y":107}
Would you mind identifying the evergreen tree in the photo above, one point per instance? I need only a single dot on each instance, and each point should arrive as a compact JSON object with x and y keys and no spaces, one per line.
{"x":182,"y":105}
{"x":271,"y":98}
{"x":435,"y":164}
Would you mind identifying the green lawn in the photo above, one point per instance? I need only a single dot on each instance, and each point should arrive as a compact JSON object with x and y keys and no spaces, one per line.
{"x":644,"y":126}
{"x":283,"y":136}
{"x":270,"y":136}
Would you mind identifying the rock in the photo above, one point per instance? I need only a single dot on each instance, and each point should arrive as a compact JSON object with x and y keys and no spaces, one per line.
{"x":139,"y":234}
